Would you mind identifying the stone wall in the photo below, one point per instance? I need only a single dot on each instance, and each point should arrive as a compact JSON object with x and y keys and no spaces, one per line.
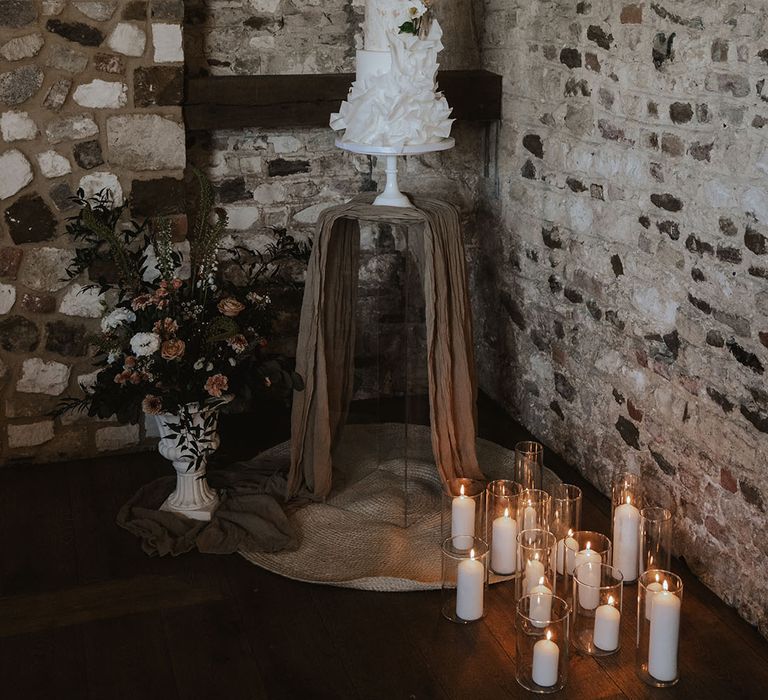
{"x":89,"y":98}
{"x":622,"y":279}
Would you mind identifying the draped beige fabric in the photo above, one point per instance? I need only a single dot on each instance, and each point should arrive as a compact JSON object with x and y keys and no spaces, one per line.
{"x":325,"y":353}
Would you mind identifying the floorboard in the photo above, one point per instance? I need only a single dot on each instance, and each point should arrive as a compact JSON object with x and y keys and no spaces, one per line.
{"x":85,"y":614}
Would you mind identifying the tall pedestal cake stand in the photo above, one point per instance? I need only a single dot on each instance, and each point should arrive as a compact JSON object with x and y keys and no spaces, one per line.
{"x":392,"y":196}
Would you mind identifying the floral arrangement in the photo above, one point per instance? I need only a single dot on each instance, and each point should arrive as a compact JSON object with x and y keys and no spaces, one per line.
{"x":420,"y":13}
{"x":178,"y":334}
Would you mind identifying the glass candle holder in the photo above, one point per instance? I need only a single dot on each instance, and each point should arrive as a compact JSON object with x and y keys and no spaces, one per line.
{"x":536,"y":558}
{"x":659,"y":601}
{"x":529,"y":464}
{"x":583,"y":547}
{"x":465,"y":577}
{"x":655,"y":539}
{"x":534,"y":507}
{"x":463,"y":512}
{"x":565,"y":520}
{"x":542,"y":647}
{"x":501,"y":525}
{"x":597,"y":599}
{"x":626,"y":501}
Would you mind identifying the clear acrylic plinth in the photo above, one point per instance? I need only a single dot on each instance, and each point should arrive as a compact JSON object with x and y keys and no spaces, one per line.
{"x":393,"y":478}
{"x":392,"y":196}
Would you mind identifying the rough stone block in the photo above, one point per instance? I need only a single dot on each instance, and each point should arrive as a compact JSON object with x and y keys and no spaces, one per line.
{"x":109,"y":63}
{"x":17,"y":86}
{"x":79,"y":32}
{"x":71,"y":128}
{"x":168,"y":43}
{"x":66,"y":339}
{"x":38,"y":303}
{"x":117,"y":437}
{"x":98,"y":10}
{"x":22,"y":47}
{"x":67,"y":59}
{"x":17,"y":13}
{"x":7,"y":298}
{"x":161,"y":196}
{"x":18,"y":334}
{"x":41,"y":377}
{"x":30,"y":434}
{"x":30,"y":220}
{"x":17,"y":126}
{"x":97,"y":182}
{"x":10,"y":259}
{"x":87,"y":302}
{"x":158,"y":85}
{"x":146,"y":142}
{"x":53,"y":164}
{"x":88,"y":154}
{"x":17,"y":173}
{"x":42,"y":268}
{"x":101,"y":94}
{"x":57,"y":95}
{"x":128,"y":39}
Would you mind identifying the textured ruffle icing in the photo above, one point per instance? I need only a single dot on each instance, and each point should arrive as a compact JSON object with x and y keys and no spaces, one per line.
{"x":401,"y":107}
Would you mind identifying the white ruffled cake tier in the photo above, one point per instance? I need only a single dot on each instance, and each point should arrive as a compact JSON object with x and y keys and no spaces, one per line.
{"x":399,"y":106}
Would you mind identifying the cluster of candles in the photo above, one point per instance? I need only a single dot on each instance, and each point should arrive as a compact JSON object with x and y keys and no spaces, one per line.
{"x":521,"y":537}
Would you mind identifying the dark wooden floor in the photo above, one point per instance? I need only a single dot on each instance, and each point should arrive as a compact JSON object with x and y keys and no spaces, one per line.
{"x":85,"y":614}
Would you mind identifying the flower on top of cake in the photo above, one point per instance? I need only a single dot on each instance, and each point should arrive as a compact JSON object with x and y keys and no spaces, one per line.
{"x":420,"y":19}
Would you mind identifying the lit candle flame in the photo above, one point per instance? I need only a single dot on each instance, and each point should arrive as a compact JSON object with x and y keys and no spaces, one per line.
{"x":549,"y":636}
{"x":629,"y":500}
{"x":657,"y":578}
{"x":472,"y":553}
{"x":570,"y":533}
{"x":665,"y":586}
{"x":610,"y":600}
{"x":589,"y":545}
{"x":461,"y":490}
{"x":541,"y":581}
{"x":506,"y":512}
{"x":530,"y":502}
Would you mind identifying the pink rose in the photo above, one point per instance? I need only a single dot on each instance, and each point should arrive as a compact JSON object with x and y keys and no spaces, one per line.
{"x":230,"y":307}
{"x":217,"y":385}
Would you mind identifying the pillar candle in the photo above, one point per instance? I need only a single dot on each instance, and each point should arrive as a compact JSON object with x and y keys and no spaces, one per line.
{"x":504,"y":545}
{"x":546,"y":658}
{"x":470,"y":584}
{"x":541,"y":604}
{"x":665,"y":631}
{"x":607,"y":626}
{"x":529,"y":517}
{"x":566,"y":551}
{"x":534,"y":572}
{"x":588,"y":597}
{"x":626,"y":539}
{"x":650,"y":592}
{"x":462,"y":520}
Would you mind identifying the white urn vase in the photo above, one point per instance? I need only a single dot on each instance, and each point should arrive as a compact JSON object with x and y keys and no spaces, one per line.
{"x":187,"y":440}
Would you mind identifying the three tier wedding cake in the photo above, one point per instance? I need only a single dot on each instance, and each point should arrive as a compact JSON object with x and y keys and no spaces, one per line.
{"x":394,"y":101}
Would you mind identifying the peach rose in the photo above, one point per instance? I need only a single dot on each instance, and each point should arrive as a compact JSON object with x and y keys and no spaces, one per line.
{"x":141,"y":302}
{"x":238,"y":343}
{"x":165,"y":327}
{"x":152,"y":405}
{"x":230,"y":307}
{"x":217,"y":385}
{"x":172,"y":349}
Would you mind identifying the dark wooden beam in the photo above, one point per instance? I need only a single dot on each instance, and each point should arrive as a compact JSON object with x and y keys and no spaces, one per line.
{"x":270,"y":101}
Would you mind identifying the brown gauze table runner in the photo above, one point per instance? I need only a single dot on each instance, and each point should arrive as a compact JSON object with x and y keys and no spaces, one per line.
{"x":325,"y":353}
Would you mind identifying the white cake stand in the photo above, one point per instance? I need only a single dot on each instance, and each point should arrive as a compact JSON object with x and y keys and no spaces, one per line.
{"x":392,"y":196}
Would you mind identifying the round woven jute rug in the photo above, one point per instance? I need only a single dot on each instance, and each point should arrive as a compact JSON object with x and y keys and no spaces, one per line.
{"x":380,"y":529}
